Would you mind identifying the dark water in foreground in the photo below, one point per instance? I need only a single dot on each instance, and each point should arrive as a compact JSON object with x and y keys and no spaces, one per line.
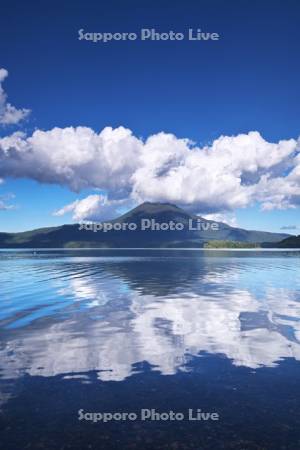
{"x":122,"y":331}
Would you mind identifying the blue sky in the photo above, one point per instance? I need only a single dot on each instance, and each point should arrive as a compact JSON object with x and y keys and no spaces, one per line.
{"x":247,"y":81}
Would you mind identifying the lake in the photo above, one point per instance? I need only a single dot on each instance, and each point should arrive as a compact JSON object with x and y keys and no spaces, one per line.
{"x":202,"y":348}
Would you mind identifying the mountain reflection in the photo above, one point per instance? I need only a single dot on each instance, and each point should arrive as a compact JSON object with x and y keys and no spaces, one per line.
{"x":73,"y":315}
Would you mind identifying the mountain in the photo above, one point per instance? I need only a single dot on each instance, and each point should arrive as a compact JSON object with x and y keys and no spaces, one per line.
{"x":71,"y":236}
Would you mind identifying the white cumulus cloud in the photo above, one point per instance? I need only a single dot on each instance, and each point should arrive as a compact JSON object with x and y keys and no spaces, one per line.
{"x":9,"y":114}
{"x":93,"y":207}
{"x":221,"y":177}
{"x":75,"y":157}
{"x":233,"y":172}
{"x":228,"y":218}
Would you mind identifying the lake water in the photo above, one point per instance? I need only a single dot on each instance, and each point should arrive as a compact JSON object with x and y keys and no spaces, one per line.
{"x":126,"y":331}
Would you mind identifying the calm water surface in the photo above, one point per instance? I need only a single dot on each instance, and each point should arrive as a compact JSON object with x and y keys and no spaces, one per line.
{"x":120,"y":331}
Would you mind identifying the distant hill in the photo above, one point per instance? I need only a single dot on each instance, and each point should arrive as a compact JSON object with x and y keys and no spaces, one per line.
{"x":290,"y":242}
{"x":71,"y":236}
